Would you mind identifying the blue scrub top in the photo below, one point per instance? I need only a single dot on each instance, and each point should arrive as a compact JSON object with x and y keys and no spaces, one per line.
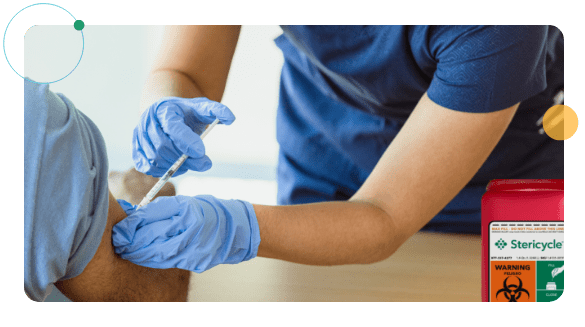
{"x":347,"y":90}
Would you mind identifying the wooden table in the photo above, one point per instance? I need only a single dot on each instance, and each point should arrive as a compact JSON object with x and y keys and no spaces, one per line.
{"x":428,"y":267}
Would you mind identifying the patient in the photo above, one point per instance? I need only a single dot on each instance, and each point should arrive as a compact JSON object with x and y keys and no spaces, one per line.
{"x":69,"y":212}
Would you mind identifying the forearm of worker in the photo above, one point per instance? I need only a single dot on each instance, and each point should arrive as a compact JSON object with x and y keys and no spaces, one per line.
{"x":168,"y":83}
{"x":329,"y":233}
{"x":434,"y":156}
{"x":109,"y":278}
{"x":193,"y":61}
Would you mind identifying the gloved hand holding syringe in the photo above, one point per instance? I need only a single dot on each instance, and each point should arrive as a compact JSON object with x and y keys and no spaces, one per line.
{"x":156,"y":188}
{"x":171,"y":129}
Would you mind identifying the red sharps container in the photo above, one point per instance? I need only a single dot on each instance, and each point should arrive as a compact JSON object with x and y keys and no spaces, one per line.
{"x":522,"y":236}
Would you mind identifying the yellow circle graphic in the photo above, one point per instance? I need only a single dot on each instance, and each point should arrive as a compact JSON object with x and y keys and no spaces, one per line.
{"x":560,"y":122}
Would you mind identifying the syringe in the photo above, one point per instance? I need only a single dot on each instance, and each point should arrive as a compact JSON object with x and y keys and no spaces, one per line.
{"x":156,"y":188}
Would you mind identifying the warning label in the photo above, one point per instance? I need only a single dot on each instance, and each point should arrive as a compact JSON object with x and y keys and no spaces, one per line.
{"x":513,"y":281}
{"x":526,"y":261}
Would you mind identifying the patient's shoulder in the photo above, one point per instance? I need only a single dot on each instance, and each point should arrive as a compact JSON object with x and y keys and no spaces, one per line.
{"x":109,"y":278}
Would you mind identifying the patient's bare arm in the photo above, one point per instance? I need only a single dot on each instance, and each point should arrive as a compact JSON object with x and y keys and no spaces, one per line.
{"x":109,"y":278}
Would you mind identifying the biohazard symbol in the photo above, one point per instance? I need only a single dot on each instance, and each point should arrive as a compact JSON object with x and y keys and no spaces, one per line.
{"x":513,"y":292}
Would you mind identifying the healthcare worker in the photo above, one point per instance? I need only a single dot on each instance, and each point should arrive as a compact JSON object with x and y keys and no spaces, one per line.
{"x":383,"y":131}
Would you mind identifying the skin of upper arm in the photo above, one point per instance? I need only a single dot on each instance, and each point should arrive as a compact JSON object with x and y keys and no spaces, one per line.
{"x":203,"y":53}
{"x":109,"y":278}
{"x":435,"y":154}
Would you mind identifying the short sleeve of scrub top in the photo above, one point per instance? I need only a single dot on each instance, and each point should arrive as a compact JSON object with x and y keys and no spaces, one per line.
{"x":487,"y":68}
{"x":65,"y":189}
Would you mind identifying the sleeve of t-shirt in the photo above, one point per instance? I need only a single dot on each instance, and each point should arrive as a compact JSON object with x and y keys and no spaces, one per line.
{"x":487,"y":68}
{"x":65,"y":190}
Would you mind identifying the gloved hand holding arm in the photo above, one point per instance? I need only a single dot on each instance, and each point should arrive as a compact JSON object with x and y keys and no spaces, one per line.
{"x":198,"y":233}
{"x":190,"y":233}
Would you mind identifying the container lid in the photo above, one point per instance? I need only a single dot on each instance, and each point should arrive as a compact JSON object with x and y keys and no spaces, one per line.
{"x":526,"y":185}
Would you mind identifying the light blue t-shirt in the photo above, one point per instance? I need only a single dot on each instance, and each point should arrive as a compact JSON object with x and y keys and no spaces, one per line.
{"x":65,"y":189}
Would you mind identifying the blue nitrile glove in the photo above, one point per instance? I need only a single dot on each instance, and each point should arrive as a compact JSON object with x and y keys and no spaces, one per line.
{"x":170,"y":128}
{"x":128,"y":207}
{"x":190,"y":233}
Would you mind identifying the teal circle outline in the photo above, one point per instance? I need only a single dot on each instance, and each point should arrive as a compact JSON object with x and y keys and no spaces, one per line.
{"x":4,"y":43}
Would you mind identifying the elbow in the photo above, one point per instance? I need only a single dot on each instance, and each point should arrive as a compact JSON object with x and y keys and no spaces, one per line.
{"x":384,"y":239}
{"x":381,"y":248}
